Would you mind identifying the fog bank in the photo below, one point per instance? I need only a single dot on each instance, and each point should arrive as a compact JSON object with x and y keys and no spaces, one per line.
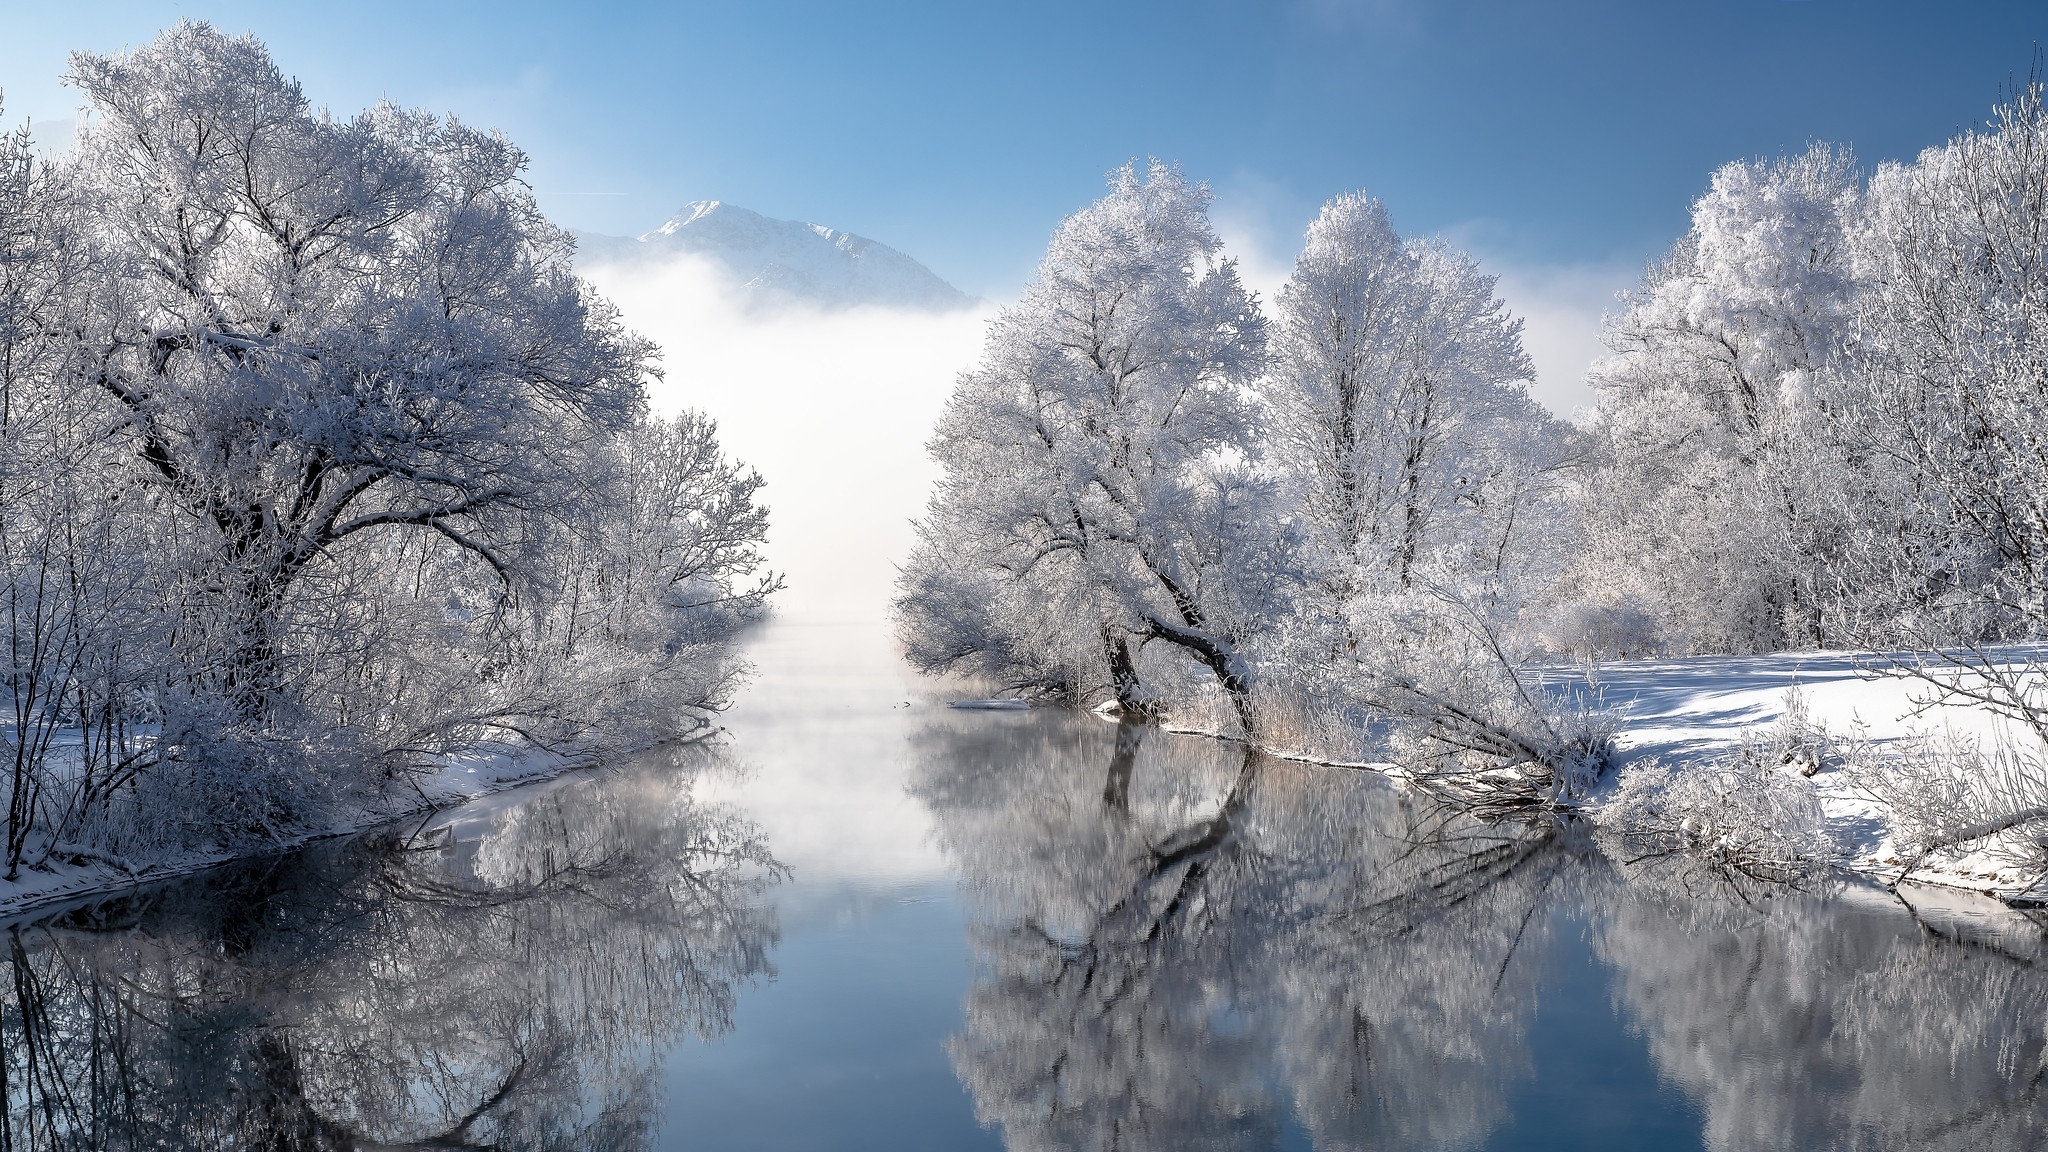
{"x":833,"y":408}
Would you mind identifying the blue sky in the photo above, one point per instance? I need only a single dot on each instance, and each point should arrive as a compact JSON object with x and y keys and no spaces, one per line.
{"x":1544,"y":135}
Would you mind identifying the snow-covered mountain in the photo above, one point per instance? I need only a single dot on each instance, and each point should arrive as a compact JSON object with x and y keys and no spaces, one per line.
{"x":780,"y":261}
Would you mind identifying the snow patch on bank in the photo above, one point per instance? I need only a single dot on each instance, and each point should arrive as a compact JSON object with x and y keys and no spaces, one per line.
{"x":1686,"y":712}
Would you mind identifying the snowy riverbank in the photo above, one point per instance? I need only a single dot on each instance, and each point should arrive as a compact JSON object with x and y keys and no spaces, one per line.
{"x":1693,"y":714}
{"x":463,"y":780}
{"x":1683,"y":712}
{"x":1686,"y":712}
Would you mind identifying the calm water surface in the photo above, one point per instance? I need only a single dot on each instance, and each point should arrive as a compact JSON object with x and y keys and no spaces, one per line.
{"x":873,"y":922}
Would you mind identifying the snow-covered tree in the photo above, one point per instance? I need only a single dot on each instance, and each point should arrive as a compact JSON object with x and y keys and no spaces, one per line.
{"x":323,"y":331}
{"x":1947,"y":380}
{"x":1345,"y":539}
{"x":320,"y":464}
{"x":1429,"y":491}
{"x":1952,"y":256}
{"x":1097,"y":496}
{"x":1723,"y":504}
{"x":1401,"y":414}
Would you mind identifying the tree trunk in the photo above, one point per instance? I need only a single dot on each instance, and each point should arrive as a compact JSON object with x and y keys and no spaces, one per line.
{"x":1222,"y":661}
{"x":1123,"y":675}
{"x":255,"y":668}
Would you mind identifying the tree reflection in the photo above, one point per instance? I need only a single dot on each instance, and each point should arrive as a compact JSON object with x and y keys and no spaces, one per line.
{"x":1176,"y":950}
{"x":1181,"y":946}
{"x":510,"y":989}
{"x":1850,"y":1024}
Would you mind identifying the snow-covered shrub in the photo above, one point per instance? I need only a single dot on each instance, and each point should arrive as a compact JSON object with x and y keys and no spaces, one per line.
{"x":1468,"y":719}
{"x":1797,"y":741}
{"x":1954,"y":793}
{"x":1742,"y":816}
{"x":1605,"y":628}
{"x":1950,"y":794}
{"x":221,"y":789}
{"x":1751,"y":814}
{"x":1305,"y":711}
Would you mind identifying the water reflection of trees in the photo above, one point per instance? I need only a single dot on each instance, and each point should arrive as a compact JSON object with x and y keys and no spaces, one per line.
{"x":1180,"y":947}
{"x":512,"y":990}
{"x":1178,"y":941}
{"x":1847,"y":1025}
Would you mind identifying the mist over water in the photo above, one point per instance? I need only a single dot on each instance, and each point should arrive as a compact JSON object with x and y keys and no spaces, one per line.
{"x":833,"y":408}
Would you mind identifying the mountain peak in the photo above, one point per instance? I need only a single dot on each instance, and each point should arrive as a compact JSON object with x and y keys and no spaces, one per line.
{"x":696,"y":210}
{"x":783,"y":261}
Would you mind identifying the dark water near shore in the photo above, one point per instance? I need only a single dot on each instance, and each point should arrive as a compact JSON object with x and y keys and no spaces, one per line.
{"x":873,"y":922}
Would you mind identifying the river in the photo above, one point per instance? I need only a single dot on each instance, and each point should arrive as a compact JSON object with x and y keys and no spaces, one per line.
{"x":867,"y":920}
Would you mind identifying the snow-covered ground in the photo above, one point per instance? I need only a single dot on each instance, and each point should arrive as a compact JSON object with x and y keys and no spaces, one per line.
{"x":1684,"y":712}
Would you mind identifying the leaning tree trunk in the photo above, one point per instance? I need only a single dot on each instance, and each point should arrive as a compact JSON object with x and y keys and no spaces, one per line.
{"x":1221,"y":658}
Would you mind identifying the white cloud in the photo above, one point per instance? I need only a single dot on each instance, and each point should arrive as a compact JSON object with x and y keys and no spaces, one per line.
{"x":1561,"y":306}
{"x":1249,"y":213}
{"x":832,"y":407}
